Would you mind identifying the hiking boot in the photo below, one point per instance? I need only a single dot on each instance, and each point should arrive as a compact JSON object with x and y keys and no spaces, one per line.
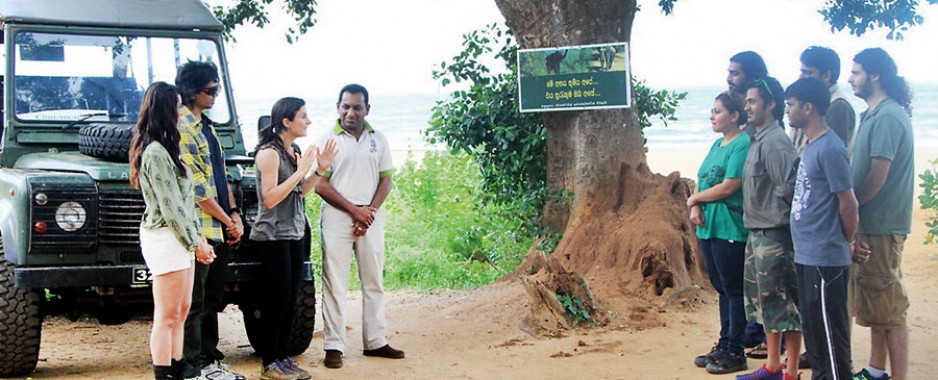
{"x":725,"y":362}
{"x":761,"y":374}
{"x":701,"y":361}
{"x":301,"y":374}
{"x":385,"y":352}
{"x":865,"y":375}
{"x":333,"y":359}
{"x":276,"y":371}
{"x":217,"y":370}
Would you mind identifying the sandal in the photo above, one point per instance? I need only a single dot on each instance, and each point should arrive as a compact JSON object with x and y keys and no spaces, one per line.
{"x":760,"y":351}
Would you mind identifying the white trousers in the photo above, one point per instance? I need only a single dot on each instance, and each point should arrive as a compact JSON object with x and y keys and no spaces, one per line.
{"x":338,"y":245}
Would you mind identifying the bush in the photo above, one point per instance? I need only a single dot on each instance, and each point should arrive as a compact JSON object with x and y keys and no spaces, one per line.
{"x":929,"y":200}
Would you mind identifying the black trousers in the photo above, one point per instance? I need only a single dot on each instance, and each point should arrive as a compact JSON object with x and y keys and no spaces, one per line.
{"x":822,"y":293}
{"x":282,"y":265}
{"x":200,"y":346}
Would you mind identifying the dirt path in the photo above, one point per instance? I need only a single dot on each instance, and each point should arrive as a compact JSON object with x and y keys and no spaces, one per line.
{"x":476,"y":335}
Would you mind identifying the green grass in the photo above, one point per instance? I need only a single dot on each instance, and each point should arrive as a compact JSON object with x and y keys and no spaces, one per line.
{"x":440,"y":234}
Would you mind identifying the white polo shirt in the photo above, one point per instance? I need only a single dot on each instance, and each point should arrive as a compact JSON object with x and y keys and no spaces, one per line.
{"x":359,"y":164}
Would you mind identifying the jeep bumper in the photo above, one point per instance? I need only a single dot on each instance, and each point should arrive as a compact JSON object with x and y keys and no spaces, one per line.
{"x":118,"y":275}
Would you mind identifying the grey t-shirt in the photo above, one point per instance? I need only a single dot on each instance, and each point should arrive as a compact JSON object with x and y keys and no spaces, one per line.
{"x":886,"y":132}
{"x":816,"y":228}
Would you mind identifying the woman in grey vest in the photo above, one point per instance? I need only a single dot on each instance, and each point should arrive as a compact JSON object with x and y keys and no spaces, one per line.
{"x":284,"y":176}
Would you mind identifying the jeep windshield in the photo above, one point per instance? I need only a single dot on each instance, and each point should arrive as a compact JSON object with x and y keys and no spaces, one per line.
{"x":73,"y":78}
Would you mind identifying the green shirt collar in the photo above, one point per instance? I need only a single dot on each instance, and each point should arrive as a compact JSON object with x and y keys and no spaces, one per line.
{"x":337,"y":129}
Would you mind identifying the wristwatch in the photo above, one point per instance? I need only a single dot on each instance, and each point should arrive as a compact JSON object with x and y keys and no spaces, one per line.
{"x":235,"y":209}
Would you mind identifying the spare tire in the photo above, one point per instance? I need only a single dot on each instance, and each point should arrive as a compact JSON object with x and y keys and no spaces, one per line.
{"x":106,"y":141}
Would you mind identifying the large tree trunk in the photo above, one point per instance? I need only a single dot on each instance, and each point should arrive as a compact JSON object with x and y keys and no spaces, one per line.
{"x":626,"y":230}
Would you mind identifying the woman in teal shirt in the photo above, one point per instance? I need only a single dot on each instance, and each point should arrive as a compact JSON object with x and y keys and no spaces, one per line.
{"x":169,"y":233}
{"x":717,"y":210}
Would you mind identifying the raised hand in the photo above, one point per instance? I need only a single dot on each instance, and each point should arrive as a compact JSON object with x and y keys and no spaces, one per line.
{"x":305,"y":163}
{"x":327,"y":156}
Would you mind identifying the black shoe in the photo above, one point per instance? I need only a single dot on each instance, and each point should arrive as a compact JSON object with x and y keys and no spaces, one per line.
{"x":333,"y":359}
{"x":803,"y":361}
{"x":725,"y":362}
{"x":702,"y":360}
{"x":385,"y":352}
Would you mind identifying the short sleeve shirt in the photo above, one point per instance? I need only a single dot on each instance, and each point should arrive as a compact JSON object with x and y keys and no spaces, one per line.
{"x":816,"y":228}
{"x":359,"y":164}
{"x":886,"y":132}
{"x":723,"y":219}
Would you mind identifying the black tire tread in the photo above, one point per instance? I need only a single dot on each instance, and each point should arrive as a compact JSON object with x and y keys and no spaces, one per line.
{"x":106,"y":141}
{"x":20,"y":325}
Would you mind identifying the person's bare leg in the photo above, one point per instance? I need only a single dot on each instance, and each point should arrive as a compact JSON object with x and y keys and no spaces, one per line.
{"x":168,"y":290}
{"x":773,"y":342}
{"x":185,"y":303}
{"x":897,"y":341}
{"x":878,"y":348}
{"x":793,"y":347}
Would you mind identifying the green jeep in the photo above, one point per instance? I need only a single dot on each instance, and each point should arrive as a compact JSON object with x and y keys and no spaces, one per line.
{"x":74,"y":76}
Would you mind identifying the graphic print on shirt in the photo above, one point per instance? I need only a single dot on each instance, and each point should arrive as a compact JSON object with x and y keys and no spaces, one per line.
{"x":374,"y":146}
{"x":802,"y":192}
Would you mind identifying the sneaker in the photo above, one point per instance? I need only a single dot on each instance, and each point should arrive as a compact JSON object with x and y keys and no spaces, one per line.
{"x":218,"y":370}
{"x":702,"y":360}
{"x":761,"y":374}
{"x":803,"y":361}
{"x":786,"y":377}
{"x":725,"y":362}
{"x":865,"y":375}
{"x":276,"y":371}
{"x":301,"y":374}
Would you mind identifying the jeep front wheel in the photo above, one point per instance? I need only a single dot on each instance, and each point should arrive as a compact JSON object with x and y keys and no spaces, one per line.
{"x":304,"y":315}
{"x":20,"y":324}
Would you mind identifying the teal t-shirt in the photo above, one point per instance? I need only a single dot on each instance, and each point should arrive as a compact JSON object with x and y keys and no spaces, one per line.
{"x":723,"y":219}
{"x":886,"y":132}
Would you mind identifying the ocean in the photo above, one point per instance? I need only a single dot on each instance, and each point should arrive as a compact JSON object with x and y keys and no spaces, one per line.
{"x":403,"y":119}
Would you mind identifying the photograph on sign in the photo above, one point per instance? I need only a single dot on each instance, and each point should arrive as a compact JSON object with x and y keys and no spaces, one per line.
{"x":574,"y":78}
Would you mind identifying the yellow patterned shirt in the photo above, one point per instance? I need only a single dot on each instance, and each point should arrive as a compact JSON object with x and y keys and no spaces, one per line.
{"x":194,"y":152}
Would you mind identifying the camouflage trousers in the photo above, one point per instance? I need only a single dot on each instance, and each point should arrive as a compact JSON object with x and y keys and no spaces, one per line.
{"x":769,"y":283}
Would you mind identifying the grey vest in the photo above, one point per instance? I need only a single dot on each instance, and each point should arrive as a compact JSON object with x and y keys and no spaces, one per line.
{"x":287,"y":220}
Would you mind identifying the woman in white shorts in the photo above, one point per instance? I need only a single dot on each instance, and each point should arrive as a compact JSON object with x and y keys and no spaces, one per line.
{"x":170,"y":231}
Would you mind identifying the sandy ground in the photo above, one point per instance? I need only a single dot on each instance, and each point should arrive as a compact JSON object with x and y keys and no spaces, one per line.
{"x":476,"y":335}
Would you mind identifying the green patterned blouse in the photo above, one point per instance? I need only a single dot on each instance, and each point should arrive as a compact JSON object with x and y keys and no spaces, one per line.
{"x":169,"y":197}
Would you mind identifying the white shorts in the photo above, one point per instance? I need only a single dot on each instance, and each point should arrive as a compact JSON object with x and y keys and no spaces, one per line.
{"x":162,"y":252}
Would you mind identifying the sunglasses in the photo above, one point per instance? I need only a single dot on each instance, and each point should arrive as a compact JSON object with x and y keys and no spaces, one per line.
{"x":211,"y":91}
{"x":763,"y":83}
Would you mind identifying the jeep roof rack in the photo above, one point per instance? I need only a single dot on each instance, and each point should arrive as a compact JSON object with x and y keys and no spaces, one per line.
{"x":162,"y":14}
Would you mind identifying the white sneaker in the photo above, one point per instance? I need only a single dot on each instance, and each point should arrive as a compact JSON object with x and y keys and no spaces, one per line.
{"x":218,"y":370}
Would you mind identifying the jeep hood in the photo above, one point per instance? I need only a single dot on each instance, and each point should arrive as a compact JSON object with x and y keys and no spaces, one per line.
{"x":96,"y":168}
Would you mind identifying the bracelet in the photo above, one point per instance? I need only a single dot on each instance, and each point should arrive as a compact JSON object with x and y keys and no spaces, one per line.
{"x":316,"y":173}
{"x":235,"y":209}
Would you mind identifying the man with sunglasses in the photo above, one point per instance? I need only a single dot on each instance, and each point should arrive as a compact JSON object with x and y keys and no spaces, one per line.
{"x":201,"y":151}
{"x":769,"y":286}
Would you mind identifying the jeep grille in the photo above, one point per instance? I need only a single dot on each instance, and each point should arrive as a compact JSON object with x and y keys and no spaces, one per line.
{"x":56,"y":239}
{"x":119,"y":217}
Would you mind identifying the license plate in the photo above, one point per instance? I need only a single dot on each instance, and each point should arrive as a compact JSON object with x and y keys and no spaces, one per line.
{"x":142,"y":276}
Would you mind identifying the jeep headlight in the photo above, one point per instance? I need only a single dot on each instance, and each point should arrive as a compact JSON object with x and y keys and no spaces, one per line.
{"x":70,"y":216}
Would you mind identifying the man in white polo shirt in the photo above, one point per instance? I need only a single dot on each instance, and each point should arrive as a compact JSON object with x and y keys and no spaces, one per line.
{"x":354,"y":189}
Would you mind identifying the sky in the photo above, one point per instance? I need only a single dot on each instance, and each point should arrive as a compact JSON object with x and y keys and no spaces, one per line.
{"x":392,"y":47}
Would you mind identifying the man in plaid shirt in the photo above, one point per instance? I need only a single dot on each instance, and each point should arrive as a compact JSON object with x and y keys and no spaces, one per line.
{"x":202,"y":154}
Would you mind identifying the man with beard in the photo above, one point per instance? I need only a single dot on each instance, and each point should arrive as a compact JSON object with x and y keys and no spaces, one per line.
{"x":884,"y":176}
{"x":823,"y":64}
